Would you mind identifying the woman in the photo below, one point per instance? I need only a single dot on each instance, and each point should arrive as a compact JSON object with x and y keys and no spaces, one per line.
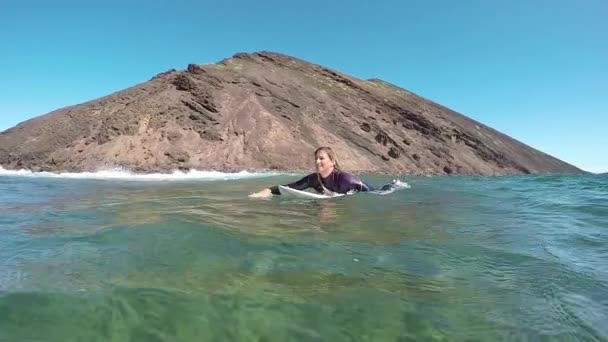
{"x":328,"y":178}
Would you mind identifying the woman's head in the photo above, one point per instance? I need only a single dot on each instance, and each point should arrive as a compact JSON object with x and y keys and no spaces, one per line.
{"x":326,"y":161}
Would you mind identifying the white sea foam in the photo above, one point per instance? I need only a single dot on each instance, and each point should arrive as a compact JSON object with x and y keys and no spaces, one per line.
{"x":120,"y":174}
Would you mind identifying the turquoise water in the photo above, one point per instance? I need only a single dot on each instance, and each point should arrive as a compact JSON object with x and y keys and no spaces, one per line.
{"x":451,"y":258}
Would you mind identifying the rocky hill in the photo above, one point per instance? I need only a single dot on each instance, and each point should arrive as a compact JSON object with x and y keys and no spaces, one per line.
{"x":265,"y":111}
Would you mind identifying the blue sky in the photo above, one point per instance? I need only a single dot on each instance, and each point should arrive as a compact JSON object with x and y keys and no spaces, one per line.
{"x":535,"y":70}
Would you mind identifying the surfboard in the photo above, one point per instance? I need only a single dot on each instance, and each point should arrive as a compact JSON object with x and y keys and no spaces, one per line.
{"x":287,"y":192}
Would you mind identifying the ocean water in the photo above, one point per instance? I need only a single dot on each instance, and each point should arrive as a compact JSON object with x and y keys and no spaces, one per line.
{"x":115,"y":257}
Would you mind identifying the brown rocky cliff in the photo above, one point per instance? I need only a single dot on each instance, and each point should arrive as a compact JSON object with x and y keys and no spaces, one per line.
{"x":265,"y":111}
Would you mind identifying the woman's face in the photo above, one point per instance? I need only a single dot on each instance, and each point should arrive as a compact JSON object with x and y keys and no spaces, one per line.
{"x":323,"y":163}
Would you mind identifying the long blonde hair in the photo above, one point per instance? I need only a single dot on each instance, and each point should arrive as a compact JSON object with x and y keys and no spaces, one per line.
{"x":332,"y":156}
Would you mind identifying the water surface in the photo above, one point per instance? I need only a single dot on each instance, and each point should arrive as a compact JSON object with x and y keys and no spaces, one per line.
{"x":451,"y":258}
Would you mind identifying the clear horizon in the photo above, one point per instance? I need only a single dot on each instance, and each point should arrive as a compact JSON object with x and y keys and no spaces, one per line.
{"x":535,"y":72}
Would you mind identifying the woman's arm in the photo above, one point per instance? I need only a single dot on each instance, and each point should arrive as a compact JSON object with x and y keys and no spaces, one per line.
{"x":304,"y":183}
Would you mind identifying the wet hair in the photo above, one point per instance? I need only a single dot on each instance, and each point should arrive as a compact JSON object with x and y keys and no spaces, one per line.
{"x":332,"y":156}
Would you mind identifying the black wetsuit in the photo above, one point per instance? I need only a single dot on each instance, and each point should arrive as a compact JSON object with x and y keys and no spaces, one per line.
{"x":337,"y":181}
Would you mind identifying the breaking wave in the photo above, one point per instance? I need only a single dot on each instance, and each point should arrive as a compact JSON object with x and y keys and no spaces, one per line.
{"x":121,"y":174}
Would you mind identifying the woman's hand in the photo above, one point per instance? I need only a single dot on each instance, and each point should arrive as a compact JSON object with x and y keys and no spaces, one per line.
{"x":262,"y":194}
